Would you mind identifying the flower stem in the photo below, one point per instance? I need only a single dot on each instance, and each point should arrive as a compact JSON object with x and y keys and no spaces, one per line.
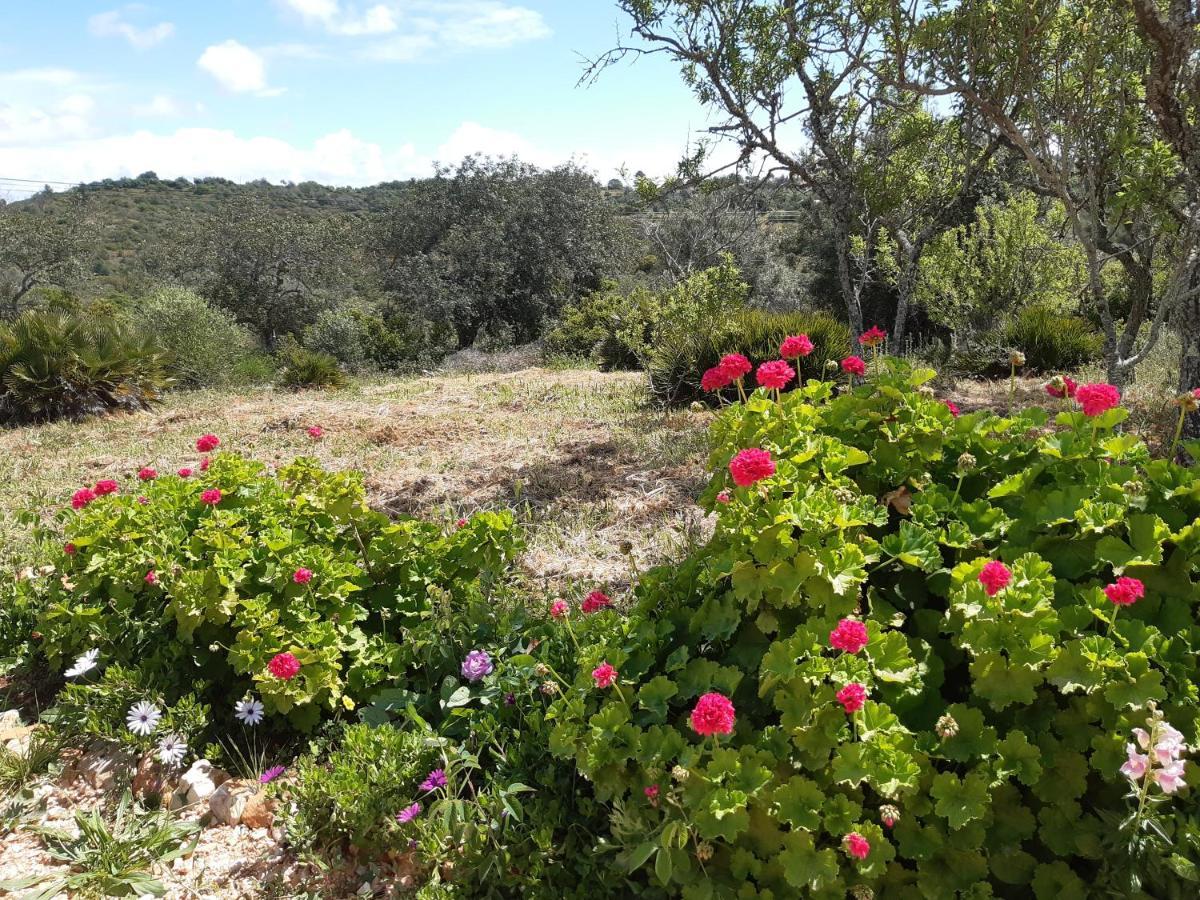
{"x":1178,"y":433}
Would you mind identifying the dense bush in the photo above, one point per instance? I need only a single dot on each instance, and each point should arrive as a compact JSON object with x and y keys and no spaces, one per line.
{"x":681,"y":356}
{"x":587,"y":330}
{"x":1052,"y":341}
{"x":342,"y":334}
{"x":57,"y":365}
{"x":932,"y":689}
{"x":219,"y":571}
{"x":206,"y":345}
{"x":302,"y":368}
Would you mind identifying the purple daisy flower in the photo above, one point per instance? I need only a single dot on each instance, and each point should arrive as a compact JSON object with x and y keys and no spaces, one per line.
{"x":271,"y":774}
{"x":408,"y":813}
{"x":434,"y":780}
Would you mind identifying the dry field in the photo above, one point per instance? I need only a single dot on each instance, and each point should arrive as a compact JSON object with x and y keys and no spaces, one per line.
{"x":578,"y":456}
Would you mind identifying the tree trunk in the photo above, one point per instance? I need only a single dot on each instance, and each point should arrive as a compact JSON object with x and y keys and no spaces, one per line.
{"x":1187,"y":322}
{"x":841,"y":226}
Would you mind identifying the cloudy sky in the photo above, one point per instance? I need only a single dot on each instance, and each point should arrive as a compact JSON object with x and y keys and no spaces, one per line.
{"x":338,"y":91}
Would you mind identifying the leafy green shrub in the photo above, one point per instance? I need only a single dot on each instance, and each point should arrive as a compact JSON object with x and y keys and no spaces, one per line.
{"x":986,"y":757}
{"x":70,"y":366}
{"x":1052,"y":341}
{"x":352,"y":796}
{"x":302,"y":368}
{"x":342,"y":334}
{"x":203,"y":584}
{"x":587,"y":329}
{"x":206,"y":345}
{"x":682,"y":356}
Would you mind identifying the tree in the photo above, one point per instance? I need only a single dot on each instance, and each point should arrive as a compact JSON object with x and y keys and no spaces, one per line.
{"x":270,"y":270}
{"x":495,"y":244}
{"x":37,"y":248}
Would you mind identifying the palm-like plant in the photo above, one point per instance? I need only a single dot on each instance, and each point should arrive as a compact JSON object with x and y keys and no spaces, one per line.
{"x":56,"y":365}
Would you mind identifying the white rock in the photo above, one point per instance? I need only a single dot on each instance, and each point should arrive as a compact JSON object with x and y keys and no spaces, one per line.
{"x":228,"y":802}
{"x":197,"y":784}
{"x":10,"y":718}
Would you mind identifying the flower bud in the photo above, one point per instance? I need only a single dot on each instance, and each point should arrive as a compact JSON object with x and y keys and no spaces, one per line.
{"x":679,"y":773}
{"x":946,"y":727}
{"x":1188,"y":402}
{"x":549,"y":688}
{"x":889,"y":815}
{"x":862,"y":892}
{"x":704,"y":851}
{"x":967,"y":462}
{"x":625,"y":547}
{"x":541,"y":670}
{"x":1016,"y":358}
{"x":831,"y":365}
{"x":1134,"y":488}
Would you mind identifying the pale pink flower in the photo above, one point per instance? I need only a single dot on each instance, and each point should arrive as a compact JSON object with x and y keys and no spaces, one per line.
{"x":1136,"y":765}
{"x":1170,"y":776}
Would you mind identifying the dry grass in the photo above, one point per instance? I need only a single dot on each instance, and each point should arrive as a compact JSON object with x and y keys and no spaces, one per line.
{"x":576,"y":454}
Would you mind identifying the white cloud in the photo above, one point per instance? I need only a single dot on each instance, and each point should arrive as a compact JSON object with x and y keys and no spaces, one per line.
{"x":237,"y":68}
{"x":159,"y":106}
{"x":418,"y":28}
{"x":38,"y":105}
{"x":113,"y":24}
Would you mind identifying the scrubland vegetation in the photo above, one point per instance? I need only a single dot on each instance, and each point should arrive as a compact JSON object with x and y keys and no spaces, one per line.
{"x":822,"y":524}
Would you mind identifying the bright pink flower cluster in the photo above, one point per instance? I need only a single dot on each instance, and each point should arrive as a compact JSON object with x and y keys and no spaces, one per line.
{"x":69,"y":549}
{"x":994,"y":577}
{"x":732,"y":367}
{"x":206,"y":443}
{"x":723,"y":497}
{"x":775,"y":374}
{"x":853,"y":365}
{"x":714,"y":379}
{"x":1095,"y":399}
{"x":595,"y":601}
{"x":1067,"y":390}
{"x":284,"y":666}
{"x":604,"y":675}
{"x":857,"y":845}
{"x":151,"y":577}
{"x":185,"y":472}
{"x":953,"y":407}
{"x":316,"y":432}
{"x":872,"y":337}
{"x":147,"y":474}
{"x":82,"y":498}
{"x":1125,"y":591}
{"x":559,"y":608}
{"x":204,"y":464}
{"x":211,"y":497}
{"x":751,"y":466}
{"x":651,"y":792}
{"x":713,"y":714}
{"x":107,"y":486}
{"x":852,"y":697}
{"x":796,"y":346}
{"x":849,"y":636}
{"x":302,"y":576}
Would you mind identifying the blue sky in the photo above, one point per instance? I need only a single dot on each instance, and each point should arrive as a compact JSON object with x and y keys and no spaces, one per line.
{"x":340,"y":91}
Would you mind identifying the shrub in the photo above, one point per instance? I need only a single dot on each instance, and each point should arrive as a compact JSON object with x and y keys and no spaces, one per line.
{"x":207,"y":346}
{"x":587,"y":329}
{"x":303,"y":368}
{"x":342,"y":334}
{"x":1001,"y":702}
{"x":682,"y":356}
{"x":1052,"y":341}
{"x":200,"y":596}
{"x":351,"y":797}
{"x":70,"y":366}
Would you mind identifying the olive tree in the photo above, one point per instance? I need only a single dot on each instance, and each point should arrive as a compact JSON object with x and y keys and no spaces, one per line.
{"x":39,"y":248}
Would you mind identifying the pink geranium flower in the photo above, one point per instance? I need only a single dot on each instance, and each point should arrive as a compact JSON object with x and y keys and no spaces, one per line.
{"x":714,"y":379}
{"x":604,"y":675}
{"x":735,"y":365}
{"x":595,"y":601}
{"x":185,"y":472}
{"x":713,"y":714}
{"x":751,"y":466}
{"x":796,"y":346}
{"x":69,"y":549}
{"x":872,"y":337}
{"x":850,"y":636}
{"x":953,"y":407}
{"x":316,"y":432}
{"x":857,"y":845}
{"x":82,"y":498}
{"x":559,"y":608}
{"x":302,"y":576}
{"x":147,"y":474}
{"x":107,"y":486}
{"x":775,"y":375}
{"x":206,"y":443}
{"x":1125,"y":591}
{"x":852,"y":697}
{"x":284,"y":666}
{"x":853,"y":365}
{"x":1095,"y":399}
{"x":994,"y":577}
{"x":151,"y":577}
{"x":211,"y":497}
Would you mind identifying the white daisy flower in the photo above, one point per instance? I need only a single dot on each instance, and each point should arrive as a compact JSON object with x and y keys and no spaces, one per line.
{"x":248,"y":711}
{"x":85,"y":663}
{"x":172,"y":749}
{"x":143,"y":718}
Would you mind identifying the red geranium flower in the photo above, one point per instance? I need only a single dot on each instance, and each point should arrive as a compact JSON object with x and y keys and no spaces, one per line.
{"x":559,"y":608}
{"x":715,"y":379}
{"x":954,"y":411}
{"x":82,"y":498}
{"x":69,"y":549}
{"x":151,"y":577}
{"x":857,"y":845}
{"x":735,"y":365}
{"x":775,"y":374}
{"x":211,"y":497}
{"x":1125,"y":591}
{"x":994,"y":577}
{"x":1067,"y":389}
{"x":185,"y":472}
{"x":750,"y":466}
{"x":206,"y":443}
{"x":595,"y":601}
{"x":107,"y":486}
{"x":853,"y":365}
{"x":604,"y":675}
{"x":204,"y":464}
{"x":852,"y":697}
{"x":849,"y":636}
{"x":147,"y":474}
{"x":651,"y":792}
{"x":302,"y":576}
{"x":796,"y":346}
{"x":713,"y":714}
{"x":872,"y":337}
{"x":1095,"y":399}
{"x":284,"y":665}
{"x":316,"y":432}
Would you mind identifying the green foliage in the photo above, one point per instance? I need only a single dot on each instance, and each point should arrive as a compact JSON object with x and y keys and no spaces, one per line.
{"x":995,"y":725}
{"x":56,"y":365}
{"x":683,"y":355}
{"x":342,"y":334}
{"x":1051,"y":340}
{"x":587,"y":329}
{"x":303,"y":368}
{"x":18,"y":769}
{"x":224,"y":599}
{"x":351,"y":797}
{"x":111,"y":860}
{"x":206,"y":346}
